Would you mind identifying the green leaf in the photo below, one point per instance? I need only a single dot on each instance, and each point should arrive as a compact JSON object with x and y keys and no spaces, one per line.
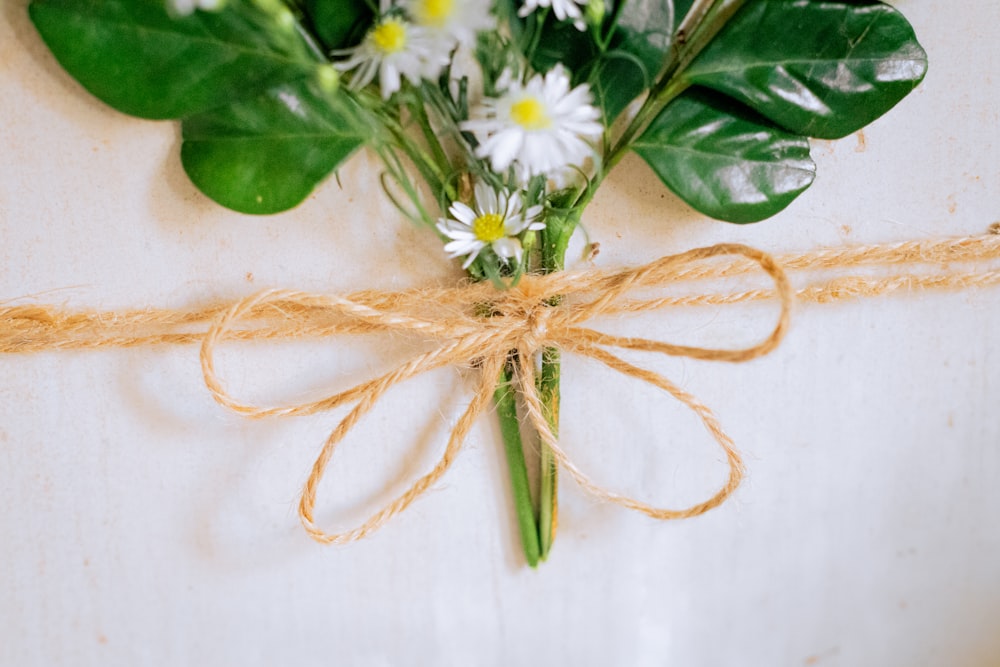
{"x":640,"y":44}
{"x":339,"y":23}
{"x":619,"y":61}
{"x":725,"y":160}
{"x":136,"y":57}
{"x":681,"y":8}
{"x":266,"y":154}
{"x":561,"y":43}
{"x":820,"y":69}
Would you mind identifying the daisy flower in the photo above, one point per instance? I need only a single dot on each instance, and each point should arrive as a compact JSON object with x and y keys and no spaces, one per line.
{"x":541,"y":125}
{"x":496,"y":221}
{"x":394,"y":48}
{"x":457,"y":21}
{"x":563,"y":9}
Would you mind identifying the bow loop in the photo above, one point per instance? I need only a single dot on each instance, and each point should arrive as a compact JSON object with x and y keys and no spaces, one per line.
{"x":467,"y":326}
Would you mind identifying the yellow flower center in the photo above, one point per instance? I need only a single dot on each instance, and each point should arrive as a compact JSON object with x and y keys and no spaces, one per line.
{"x":434,"y":13}
{"x":530,"y":114}
{"x":488,"y":227}
{"x":389,"y":36}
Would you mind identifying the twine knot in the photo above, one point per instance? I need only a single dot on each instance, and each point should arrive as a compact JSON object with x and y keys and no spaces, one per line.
{"x":536,"y":328}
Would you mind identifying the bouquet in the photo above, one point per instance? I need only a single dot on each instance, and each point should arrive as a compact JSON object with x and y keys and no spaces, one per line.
{"x":496,"y":122}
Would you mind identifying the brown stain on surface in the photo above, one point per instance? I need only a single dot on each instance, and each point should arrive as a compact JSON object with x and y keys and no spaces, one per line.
{"x":862,"y":142}
{"x":816,"y":658}
{"x":826,"y":145}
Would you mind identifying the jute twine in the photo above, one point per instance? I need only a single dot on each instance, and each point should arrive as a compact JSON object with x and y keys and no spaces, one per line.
{"x":477,"y":326}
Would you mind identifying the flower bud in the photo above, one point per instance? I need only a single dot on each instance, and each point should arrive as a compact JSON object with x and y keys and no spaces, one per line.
{"x":328,"y":78}
{"x":595,"y":11}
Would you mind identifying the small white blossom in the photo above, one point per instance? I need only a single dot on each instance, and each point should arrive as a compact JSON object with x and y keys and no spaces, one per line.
{"x":393,"y":49}
{"x":563,"y":9}
{"x":455,"y":21}
{"x":496,"y":221}
{"x":540,"y":127}
{"x":187,"y":7}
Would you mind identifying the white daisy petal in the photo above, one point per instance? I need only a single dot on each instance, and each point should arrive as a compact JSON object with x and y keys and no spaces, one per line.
{"x":495,"y":219}
{"x":462,"y":213}
{"x":457,"y":234}
{"x":513,"y":226}
{"x":471,"y":258}
{"x":459,"y":248}
{"x":502,"y":148}
{"x":181,"y":7}
{"x":507,"y":248}
{"x":395,"y":49}
{"x":452,"y":21}
{"x":539,"y":126}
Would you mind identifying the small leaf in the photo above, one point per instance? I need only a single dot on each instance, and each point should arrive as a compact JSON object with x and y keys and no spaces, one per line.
{"x":136,"y":57}
{"x":339,"y":23}
{"x":725,"y":160}
{"x":266,"y":154}
{"x":820,"y":69}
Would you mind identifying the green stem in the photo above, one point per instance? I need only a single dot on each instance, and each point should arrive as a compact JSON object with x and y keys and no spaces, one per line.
{"x":548,"y":495}
{"x":428,"y":168}
{"x":555,"y":240}
{"x":506,"y":406}
{"x":394,"y":168}
{"x":433,"y":142}
{"x":536,"y":35}
{"x":703,"y":22}
{"x":399,"y":139}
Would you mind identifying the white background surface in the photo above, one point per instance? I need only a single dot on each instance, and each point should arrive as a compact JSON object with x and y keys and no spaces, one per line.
{"x":142,"y":524}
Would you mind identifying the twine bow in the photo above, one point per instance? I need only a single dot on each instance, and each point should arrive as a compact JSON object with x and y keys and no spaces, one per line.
{"x":520,"y":322}
{"x":475,"y":325}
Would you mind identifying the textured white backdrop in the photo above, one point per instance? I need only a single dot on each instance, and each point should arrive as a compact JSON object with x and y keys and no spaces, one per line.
{"x":142,"y":524}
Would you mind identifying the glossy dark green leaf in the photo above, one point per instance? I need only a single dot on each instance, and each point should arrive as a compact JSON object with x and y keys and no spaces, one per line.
{"x":820,"y":69}
{"x":266,"y":154}
{"x":639,"y":47}
{"x":136,"y":57}
{"x":725,"y":160}
{"x":681,"y":8}
{"x":339,"y":23}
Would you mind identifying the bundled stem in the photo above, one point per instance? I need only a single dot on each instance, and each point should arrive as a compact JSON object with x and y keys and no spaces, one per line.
{"x":510,"y":430}
{"x":548,"y":490}
{"x":537,"y":517}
